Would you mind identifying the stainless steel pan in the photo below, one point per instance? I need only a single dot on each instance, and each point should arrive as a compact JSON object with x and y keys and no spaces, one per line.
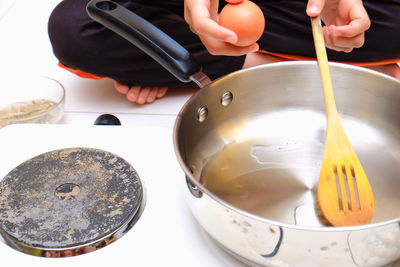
{"x":251,"y":146}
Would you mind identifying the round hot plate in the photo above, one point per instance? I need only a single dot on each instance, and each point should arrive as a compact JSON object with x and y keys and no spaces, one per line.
{"x":68,"y":202}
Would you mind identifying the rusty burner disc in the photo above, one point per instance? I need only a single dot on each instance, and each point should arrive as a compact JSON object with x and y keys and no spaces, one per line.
{"x":68,"y":202}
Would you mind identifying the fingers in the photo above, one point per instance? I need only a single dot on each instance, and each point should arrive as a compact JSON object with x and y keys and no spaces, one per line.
{"x":201,"y":23}
{"x":354,"y":28}
{"x":211,"y":29}
{"x":314,"y":7}
{"x":202,"y":19}
{"x":336,"y":41}
{"x":215,"y":47}
{"x":346,"y":22}
{"x":350,"y":33}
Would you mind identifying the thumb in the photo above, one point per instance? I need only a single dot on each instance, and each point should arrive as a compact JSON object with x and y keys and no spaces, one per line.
{"x":314,"y":7}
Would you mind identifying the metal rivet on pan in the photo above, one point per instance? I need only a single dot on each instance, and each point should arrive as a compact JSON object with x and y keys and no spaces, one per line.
{"x":202,"y":114}
{"x":226,"y":98}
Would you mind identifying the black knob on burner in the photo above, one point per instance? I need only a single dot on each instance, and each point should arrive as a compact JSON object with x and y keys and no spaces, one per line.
{"x":107,"y":119}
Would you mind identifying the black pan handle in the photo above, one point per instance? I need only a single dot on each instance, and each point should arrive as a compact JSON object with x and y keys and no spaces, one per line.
{"x":151,"y":40}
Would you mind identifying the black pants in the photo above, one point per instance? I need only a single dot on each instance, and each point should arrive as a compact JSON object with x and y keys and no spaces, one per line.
{"x":80,"y":43}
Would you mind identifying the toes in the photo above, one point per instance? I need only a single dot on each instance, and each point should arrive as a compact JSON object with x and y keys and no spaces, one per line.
{"x":152,"y":95}
{"x":144,"y":93}
{"x":133,"y":93}
{"x":161,"y":92}
{"x":121,"y":88}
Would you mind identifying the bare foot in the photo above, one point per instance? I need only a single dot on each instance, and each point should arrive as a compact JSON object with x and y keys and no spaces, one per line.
{"x":140,"y":95}
{"x":390,"y":69}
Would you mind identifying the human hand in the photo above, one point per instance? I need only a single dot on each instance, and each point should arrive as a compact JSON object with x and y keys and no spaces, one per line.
{"x":345,"y":22}
{"x":202,"y":16}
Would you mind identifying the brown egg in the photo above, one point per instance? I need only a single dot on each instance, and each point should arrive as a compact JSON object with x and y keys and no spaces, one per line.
{"x":245,"y":19}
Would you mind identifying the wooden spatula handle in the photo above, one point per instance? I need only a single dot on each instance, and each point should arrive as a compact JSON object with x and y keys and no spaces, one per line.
{"x":323,"y":65}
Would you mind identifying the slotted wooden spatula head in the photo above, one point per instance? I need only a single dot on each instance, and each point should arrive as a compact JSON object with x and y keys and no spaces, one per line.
{"x":344,"y":193}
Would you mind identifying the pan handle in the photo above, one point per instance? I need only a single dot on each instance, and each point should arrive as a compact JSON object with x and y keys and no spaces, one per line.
{"x":151,"y":40}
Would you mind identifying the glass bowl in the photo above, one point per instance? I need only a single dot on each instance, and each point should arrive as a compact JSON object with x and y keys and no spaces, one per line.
{"x":36,"y":99}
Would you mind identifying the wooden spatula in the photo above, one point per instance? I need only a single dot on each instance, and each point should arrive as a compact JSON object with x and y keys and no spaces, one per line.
{"x":344,"y":193}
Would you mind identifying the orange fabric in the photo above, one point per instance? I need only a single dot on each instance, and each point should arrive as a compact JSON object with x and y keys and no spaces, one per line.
{"x":80,"y":73}
{"x":279,"y":57}
{"x":283,"y":57}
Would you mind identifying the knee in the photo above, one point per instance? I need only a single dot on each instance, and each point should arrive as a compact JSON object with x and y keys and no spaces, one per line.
{"x":66,"y":26}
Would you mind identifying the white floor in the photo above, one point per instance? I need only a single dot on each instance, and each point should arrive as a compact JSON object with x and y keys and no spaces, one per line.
{"x":25,"y":48}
